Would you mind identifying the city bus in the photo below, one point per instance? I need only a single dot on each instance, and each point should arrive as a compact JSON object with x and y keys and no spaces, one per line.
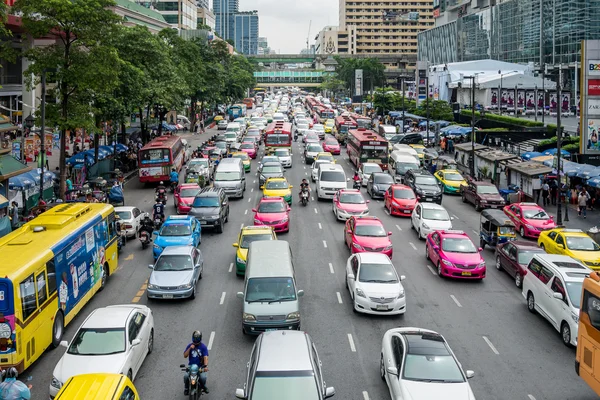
{"x":278,"y":134}
{"x":364,"y":145}
{"x":362,"y":121}
{"x":237,"y":110}
{"x":588,"y":336}
{"x":159,"y":156}
{"x":343,"y":124}
{"x":51,"y":267}
{"x":324,"y":113}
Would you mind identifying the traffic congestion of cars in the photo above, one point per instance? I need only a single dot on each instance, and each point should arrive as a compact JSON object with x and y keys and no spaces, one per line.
{"x":284,"y":361}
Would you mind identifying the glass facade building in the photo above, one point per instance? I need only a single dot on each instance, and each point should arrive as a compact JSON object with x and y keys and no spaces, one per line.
{"x":510,"y":32}
{"x":225,"y":11}
{"x":246,"y":32}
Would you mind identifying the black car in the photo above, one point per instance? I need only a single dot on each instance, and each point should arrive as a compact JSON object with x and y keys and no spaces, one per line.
{"x":211,"y":208}
{"x":269,"y":170}
{"x":425,"y":186}
{"x":378,"y":183}
{"x":408,"y":138}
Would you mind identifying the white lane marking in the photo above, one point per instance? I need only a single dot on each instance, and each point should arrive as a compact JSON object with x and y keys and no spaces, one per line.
{"x":351,"y":341}
{"x":431,"y":269}
{"x":398,"y":226}
{"x":254,"y":181}
{"x":305,"y":167}
{"x":456,"y":300}
{"x":210,"y":340}
{"x":455,"y":216}
{"x":312,"y":198}
{"x":222,"y":298}
{"x":531,"y":397}
{"x":475,"y":232}
{"x":324,"y":244}
{"x":385,"y":210}
{"x":412,"y":245}
{"x":491,"y":345}
{"x":339,"y":296}
{"x":246,"y":212}
{"x":320,"y":227}
{"x":316,"y":211}
{"x":249,"y":199}
{"x":251,"y":190}
{"x":306,"y":173}
{"x":230,"y":267}
{"x":331,"y":268}
{"x":365,"y":396}
{"x":241,"y":226}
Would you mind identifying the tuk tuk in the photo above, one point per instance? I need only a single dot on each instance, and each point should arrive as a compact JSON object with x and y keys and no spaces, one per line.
{"x":445,"y":162}
{"x":214,"y":156}
{"x":192,"y":176}
{"x":495,"y":228}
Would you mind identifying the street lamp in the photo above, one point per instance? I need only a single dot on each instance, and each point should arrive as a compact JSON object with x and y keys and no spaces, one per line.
{"x":472,"y":163}
{"x":500,"y":89}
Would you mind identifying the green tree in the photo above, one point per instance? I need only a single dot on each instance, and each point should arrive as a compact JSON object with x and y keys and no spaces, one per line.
{"x":79,"y":61}
{"x":5,"y":33}
{"x":373,"y":71}
{"x":332,"y":83}
{"x":231,"y":42}
{"x":438,"y":110}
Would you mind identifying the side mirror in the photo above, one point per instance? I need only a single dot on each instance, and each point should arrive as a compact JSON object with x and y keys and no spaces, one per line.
{"x":64,"y":344}
{"x":240,"y":295}
{"x":348,"y":231}
{"x":240,"y":394}
{"x":289,"y":208}
{"x":291,"y":186}
{"x":262,"y":187}
{"x":254,"y":210}
{"x":136,"y":342}
{"x":236,"y":245}
{"x":300,"y":293}
{"x":560,"y":246}
{"x":351,"y":276}
{"x":151,"y":266}
{"x":480,"y":249}
{"x":390,"y":233}
{"x":392,"y":371}
{"x":329,"y":392}
{"x":470,"y":374}
{"x":402,"y":277}
{"x":368,"y":201}
{"x":155,"y":233}
{"x":558,"y":296}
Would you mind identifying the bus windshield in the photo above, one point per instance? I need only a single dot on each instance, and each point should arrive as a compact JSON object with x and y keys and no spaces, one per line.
{"x":155,"y":156}
{"x":278,"y":139}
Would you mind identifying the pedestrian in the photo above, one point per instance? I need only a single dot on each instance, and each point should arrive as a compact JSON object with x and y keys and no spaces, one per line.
{"x":582,"y":200}
{"x":14,"y":215}
{"x":545,"y":193}
{"x":12,"y":389}
{"x":202,"y":126}
{"x":553,"y":191}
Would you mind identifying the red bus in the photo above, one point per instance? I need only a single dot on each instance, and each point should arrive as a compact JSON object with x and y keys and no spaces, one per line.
{"x":278,"y":134}
{"x":324,"y":113}
{"x":311,"y":102}
{"x":361,"y":120}
{"x":367,"y":146}
{"x":157,"y":158}
{"x":343,"y":124}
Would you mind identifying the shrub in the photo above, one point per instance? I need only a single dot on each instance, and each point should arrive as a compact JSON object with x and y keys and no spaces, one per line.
{"x":505,"y":119}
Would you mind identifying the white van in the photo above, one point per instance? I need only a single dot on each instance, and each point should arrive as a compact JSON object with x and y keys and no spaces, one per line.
{"x":234,"y":127}
{"x":387,"y":131}
{"x":230,"y":177}
{"x":399,"y":163}
{"x":183,"y":120}
{"x":404,"y":148}
{"x":279,"y":117}
{"x":270,"y":295}
{"x":330,"y":179}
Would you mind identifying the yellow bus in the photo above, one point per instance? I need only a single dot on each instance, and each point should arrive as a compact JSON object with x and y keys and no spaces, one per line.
{"x":51,"y":267}
{"x":587,"y":357}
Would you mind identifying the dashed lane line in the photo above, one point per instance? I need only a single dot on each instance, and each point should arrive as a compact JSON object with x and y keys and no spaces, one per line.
{"x":331,"y":268}
{"x":456,"y":300}
{"x":246,"y":212}
{"x":412,"y":245}
{"x":530,"y":396}
{"x":351,"y":341}
{"x":222,"y":298}
{"x":398,"y":226}
{"x":320,"y":227}
{"x":365,"y":395}
{"x":140,"y":292}
{"x":339,"y":297}
{"x":431,"y":269}
{"x":230,"y":267}
{"x":249,"y":199}
{"x":241,"y":226}
{"x":316,"y":211}
{"x":251,"y":190}
{"x":489,"y":343}
{"x":210,"y":340}
{"x":324,"y":244}
{"x":455,"y":216}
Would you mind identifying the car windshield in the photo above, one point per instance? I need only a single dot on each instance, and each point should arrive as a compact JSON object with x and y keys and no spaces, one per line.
{"x":487,"y":189}
{"x":383,"y":179}
{"x":325,"y":157}
{"x":271,"y":170}
{"x":270,"y":290}
{"x":269,"y":159}
{"x":314,"y":148}
{"x":301,"y":387}
{"x":124,"y":214}
{"x":525,"y":256}
{"x":175,"y":230}
{"x":535,"y":213}
{"x":174,"y":262}
{"x":242,"y":156}
{"x":370,"y":230}
{"x":206,"y":201}
{"x":458,"y":245}
{"x":419,"y":150}
{"x":302,"y":126}
{"x":247,"y":239}
{"x":436,"y":214}
{"x":221,"y":145}
{"x":369,"y":169}
{"x":574,"y":290}
{"x":377,"y":273}
{"x":425,"y":180}
{"x":231,"y":135}
{"x":331,"y":143}
{"x":98,"y":342}
{"x":453,"y":176}
{"x":431,"y":365}
{"x":401,"y":168}
{"x":247,"y":146}
{"x":432,"y":153}
{"x":318,"y":127}
{"x":191,"y":192}
{"x":198,"y":163}
{"x":272,"y":207}
{"x":352,"y":198}
{"x":282,"y":153}
{"x":276,"y":185}
{"x":403,"y":194}
{"x":333,"y":176}
{"x":581,"y":243}
{"x":227,"y":176}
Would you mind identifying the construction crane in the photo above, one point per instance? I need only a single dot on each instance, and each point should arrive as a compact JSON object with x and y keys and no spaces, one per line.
{"x":308,"y":36}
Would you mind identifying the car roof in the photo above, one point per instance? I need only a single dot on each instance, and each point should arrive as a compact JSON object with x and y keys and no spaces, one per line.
{"x":426,"y":343}
{"x":522,"y":245}
{"x":400,"y":186}
{"x":482,"y":183}
{"x":368,"y":220}
{"x":371,"y":164}
{"x":124,"y":208}
{"x":454,"y":234}
{"x":272,"y":164}
{"x":108,"y":317}
{"x":350,"y":191}
{"x":271,"y":199}
{"x":570,"y":268}
{"x":177,"y":250}
{"x":256,"y":230}
{"x":419,"y":172}
{"x":296,"y":347}
{"x":188,"y":186}
{"x":454,"y":171}
{"x":209,"y":192}
{"x":432,"y":206}
{"x":178,"y":219}
{"x":277,"y":178}
{"x":375,"y":258}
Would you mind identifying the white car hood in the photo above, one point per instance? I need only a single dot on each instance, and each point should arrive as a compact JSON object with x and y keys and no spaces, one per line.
{"x":435,"y":391}
{"x":71,"y":365}
{"x":438,"y":225}
{"x":380,"y":289}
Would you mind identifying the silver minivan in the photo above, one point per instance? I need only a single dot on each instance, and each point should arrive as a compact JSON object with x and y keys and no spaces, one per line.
{"x":399,"y":163}
{"x":387,"y":131}
{"x":270,"y":295}
{"x":230,"y":177}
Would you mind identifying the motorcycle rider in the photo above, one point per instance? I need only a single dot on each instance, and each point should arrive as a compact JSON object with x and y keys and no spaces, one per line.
{"x":147,"y":225}
{"x":197,"y":353}
{"x":356,"y":180}
{"x":174,"y":178}
{"x":12,"y":389}
{"x":304,"y":185}
{"x":158,"y":210}
{"x":160,"y":187}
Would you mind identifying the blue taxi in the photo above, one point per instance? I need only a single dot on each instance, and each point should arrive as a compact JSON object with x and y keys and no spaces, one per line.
{"x":177,"y":230}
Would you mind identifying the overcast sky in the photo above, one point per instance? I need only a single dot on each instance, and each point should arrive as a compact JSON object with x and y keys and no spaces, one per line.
{"x":285,"y":23}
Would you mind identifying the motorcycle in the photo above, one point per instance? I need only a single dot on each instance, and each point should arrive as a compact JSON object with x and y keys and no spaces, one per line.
{"x":158,"y":221}
{"x":356,"y":184}
{"x":174,"y":186}
{"x":304,"y":196}
{"x":161,"y":196}
{"x":144,"y":239}
{"x":195,"y":387}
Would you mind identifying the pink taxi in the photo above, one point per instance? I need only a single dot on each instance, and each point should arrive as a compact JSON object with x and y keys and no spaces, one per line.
{"x":331,"y":145}
{"x":349,"y":202}
{"x":366,"y":234}
{"x":184,"y":197}
{"x":273,"y":211}
{"x":249,"y":149}
{"x":454,"y":255}
{"x":529,"y":218}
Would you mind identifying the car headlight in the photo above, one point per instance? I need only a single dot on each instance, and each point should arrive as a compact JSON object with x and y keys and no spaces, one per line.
{"x":157,"y":247}
{"x":483,"y":201}
{"x":293,"y":315}
{"x":401,"y":294}
{"x":448,"y":263}
{"x":482,"y":264}
{"x":530,"y":226}
{"x":376,"y":188}
{"x":152,"y":286}
{"x":575,"y":317}
{"x":419,"y":191}
{"x":360,"y":293}
{"x":284,"y":220}
{"x":257,"y":222}
{"x":214,"y":216}
{"x":56,"y":383}
{"x":357,"y":246}
{"x":425,"y":226}
{"x":248,"y":317}
{"x":239,"y":260}
{"x":186,"y":286}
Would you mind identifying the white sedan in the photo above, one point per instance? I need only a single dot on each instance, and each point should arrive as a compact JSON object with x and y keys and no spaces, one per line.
{"x":429,"y":217}
{"x":285,"y":158}
{"x":113,"y":339}
{"x":131,"y":219}
{"x":374,"y":284}
{"x":418,"y":364}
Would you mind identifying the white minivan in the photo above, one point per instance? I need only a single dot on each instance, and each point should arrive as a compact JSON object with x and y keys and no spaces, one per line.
{"x":399,"y":163}
{"x":330,"y":179}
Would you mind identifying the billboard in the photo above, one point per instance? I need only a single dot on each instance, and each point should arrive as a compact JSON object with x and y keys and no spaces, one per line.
{"x":593,"y":87}
{"x":589,"y":101}
{"x":358,"y":82}
{"x":494,"y":101}
{"x":530,"y":100}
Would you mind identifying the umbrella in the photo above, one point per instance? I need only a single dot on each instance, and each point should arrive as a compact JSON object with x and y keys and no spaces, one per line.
{"x":121,"y":148}
{"x":571,"y":169}
{"x":20,"y":182}
{"x":529,"y":155}
{"x":109,"y":149}
{"x":48,"y":175}
{"x":594,"y":182}
{"x":585,"y":170}
{"x":552,"y":152}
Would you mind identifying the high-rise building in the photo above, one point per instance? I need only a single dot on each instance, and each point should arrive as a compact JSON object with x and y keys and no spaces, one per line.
{"x":181,"y":14}
{"x":246,"y":32}
{"x":203,"y":4}
{"x":225,"y":11}
{"x":384,"y":29}
{"x":263,"y":46}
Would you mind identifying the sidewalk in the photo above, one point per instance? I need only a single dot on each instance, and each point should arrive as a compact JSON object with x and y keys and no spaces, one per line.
{"x":575,"y":221}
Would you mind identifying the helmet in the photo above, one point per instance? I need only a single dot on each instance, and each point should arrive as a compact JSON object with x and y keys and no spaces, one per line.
{"x":146,"y":215}
{"x":173,"y":169}
{"x":196,"y":337}
{"x":117,"y":217}
{"x":12,"y":373}
{"x":161,"y":182}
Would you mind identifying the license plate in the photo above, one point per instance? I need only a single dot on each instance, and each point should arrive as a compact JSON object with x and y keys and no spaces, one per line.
{"x":167,"y":296}
{"x":493,"y":206}
{"x":406,"y":211}
{"x":466,"y":273}
{"x":270,"y":330}
{"x":428,"y":199}
{"x":203,"y":222}
{"x":382,"y":307}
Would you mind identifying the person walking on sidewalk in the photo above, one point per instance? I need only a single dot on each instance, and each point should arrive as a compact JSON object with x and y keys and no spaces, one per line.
{"x":582,"y":200}
{"x":545,"y":193}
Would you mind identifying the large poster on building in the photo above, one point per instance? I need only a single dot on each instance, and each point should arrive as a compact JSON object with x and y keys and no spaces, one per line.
{"x":591,"y":140}
{"x":510,"y":102}
{"x":521,"y":99}
{"x":48,"y":144}
{"x":588,"y":100}
{"x":541,"y":100}
{"x":565,"y":101}
{"x":530,"y":100}
{"x":494,"y":100}
{"x":29,"y":149}
{"x":553,"y":103}
{"x":504,"y":98}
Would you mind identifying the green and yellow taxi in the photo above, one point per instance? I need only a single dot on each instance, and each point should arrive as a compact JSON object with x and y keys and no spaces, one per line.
{"x":325,"y":155}
{"x":249,"y":234}
{"x":328,"y":125}
{"x":278,"y":187}
{"x":245,"y":159}
{"x":451,"y":180}
{"x":573,"y":243}
{"x":420,"y":149}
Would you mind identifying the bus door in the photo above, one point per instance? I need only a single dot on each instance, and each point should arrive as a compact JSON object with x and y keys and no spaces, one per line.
{"x":8,"y":339}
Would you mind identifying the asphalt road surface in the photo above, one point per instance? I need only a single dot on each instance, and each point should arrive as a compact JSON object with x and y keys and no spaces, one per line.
{"x":515,"y":355}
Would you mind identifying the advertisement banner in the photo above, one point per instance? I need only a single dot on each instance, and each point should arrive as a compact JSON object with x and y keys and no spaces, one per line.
{"x":593,"y":87}
{"x":565,"y":102}
{"x":504,"y":98}
{"x":530,"y":100}
{"x":511,"y":99}
{"x":358,"y":82}
{"x":29,"y":150}
{"x":494,"y":101}
{"x":16,"y":149}
{"x":593,"y":107}
{"x":591,"y":134}
{"x":552,"y":102}
{"x":56,"y":141}
{"x":541,"y":100}
{"x":593,"y":67}
{"x":521,"y":98}
{"x":48,"y":144}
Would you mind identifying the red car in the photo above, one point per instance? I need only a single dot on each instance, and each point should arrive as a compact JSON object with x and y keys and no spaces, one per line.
{"x":331,"y":145}
{"x":249,"y":148}
{"x":184,"y":197}
{"x":349,"y":202}
{"x":366,"y":234}
{"x":529,"y":219}
{"x":273,"y":211}
{"x":400,"y":200}
{"x":514,"y":257}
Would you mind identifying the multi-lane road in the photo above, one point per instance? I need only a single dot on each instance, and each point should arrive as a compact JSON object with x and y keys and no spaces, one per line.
{"x":515,"y":355}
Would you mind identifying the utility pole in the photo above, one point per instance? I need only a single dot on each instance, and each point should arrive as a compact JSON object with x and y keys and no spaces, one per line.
{"x":426,"y":106}
{"x":472,"y":163}
{"x":43,"y":134}
{"x":535,"y":97}
{"x":403,"y":104}
{"x":559,"y":146}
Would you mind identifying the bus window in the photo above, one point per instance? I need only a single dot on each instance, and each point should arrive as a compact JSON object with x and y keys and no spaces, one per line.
{"x":592,"y":307}
{"x":51,"y":271}
{"x":111,"y":227}
{"x":40,"y":280}
{"x":28,"y":303}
